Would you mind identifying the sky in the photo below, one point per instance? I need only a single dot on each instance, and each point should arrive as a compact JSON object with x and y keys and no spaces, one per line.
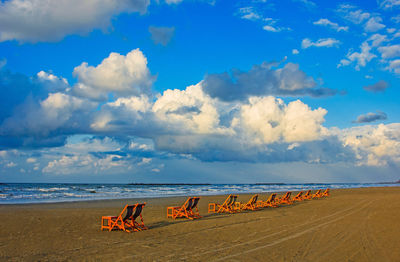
{"x":199,"y":91}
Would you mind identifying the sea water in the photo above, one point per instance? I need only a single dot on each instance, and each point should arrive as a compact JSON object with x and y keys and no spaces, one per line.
{"x":13,"y":193}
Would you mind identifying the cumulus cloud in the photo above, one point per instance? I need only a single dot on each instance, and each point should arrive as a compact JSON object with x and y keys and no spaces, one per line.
{"x":390,"y":51}
{"x":323,"y":42}
{"x":377,"y":39}
{"x":335,"y":26}
{"x":350,"y":13}
{"x":379,"y":86}
{"x":295,"y":52}
{"x":57,"y":111}
{"x":263,"y":80}
{"x":161,"y":35}
{"x":269,"y":120}
{"x":374,"y":145}
{"x":374,"y":24}
{"x":225,"y":117}
{"x":371,"y":117}
{"x":361,"y":58}
{"x":118,"y":74}
{"x":40,"y":20}
{"x":394,"y":66}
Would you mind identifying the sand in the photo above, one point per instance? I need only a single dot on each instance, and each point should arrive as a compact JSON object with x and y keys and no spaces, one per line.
{"x":350,"y":225}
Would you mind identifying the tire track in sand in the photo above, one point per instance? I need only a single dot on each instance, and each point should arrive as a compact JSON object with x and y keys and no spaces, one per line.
{"x":269,"y":235}
{"x":295,"y":235}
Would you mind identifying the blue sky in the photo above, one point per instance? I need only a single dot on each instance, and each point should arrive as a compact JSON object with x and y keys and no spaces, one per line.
{"x":199,"y":91}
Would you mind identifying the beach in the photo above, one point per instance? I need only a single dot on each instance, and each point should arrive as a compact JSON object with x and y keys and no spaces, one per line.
{"x":350,"y":225}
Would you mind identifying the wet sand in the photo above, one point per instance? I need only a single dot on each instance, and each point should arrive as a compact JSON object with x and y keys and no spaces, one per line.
{"x":350,"y":225}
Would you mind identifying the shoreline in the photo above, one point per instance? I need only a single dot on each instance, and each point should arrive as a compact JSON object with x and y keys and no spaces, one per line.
{"x":387,"y":185}
{"x":352,"y":224}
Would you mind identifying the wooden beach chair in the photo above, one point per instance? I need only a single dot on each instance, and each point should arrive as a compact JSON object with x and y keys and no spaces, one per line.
{"x":270,"y":202}
{"x":317,"y":194}
{"x":226,"y":207}
{"x":298,"y":197}
{"x":250,"y":205}
{"x":188,"y":209}
{"x":326,"y":192}
{"x":307,"y":195}
{"x":285,"y":199}
{"x":127,"y":223}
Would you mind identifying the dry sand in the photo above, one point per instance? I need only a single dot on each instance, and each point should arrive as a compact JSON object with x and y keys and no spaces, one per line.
{"x":350,"y":225}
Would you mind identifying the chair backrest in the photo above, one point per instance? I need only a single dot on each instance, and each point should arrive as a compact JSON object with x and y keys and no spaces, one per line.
{"x":190,"y":204}
{"x":273,"y":196}
{"x":287,"y":195}
{"x":233,"y":200}
{"x":307,"y":193}
{"x":195,"y":202}
{"x":318,"y":192}
{"x":254,"y":199}
{"x":299,"y":194}
{"x":138,"y":211}
{"x":129,"y":211}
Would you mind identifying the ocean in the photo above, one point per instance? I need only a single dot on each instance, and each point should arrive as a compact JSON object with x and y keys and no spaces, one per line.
{"x":13,"y":193}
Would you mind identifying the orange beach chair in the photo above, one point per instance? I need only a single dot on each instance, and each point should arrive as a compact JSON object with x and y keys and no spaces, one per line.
{"x":188,"y":209}
{"x":298,"y":197}
{"x":326,"y":192}
{"x":250,"y":205}
{"x":285,"y":199}
{"x":226,"y":207}
{"x":270,"y":202}
{"x":126,"y":223}
{"x":317,"y":194}
{"x":307,"y":195}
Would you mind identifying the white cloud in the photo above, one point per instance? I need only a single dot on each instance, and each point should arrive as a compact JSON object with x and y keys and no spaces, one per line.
{"x":355,"y":16}
{"x":295,"y":52}
{"x":377,"y":39}
{"x":390,"y":30}
{"x":31,"y":160}
{"x":335,"y":26}
{"x":307,"y":3}
{"x":271,"y":28}
{"x":41,"y":20}
{"x":389,"y":4}
{"x":394,"y":66}
{"x":390,"y":51}
{"x":396,"y":19}
{"x":323,"y":42}
{"x":361,"y":58}
{"x":268,"y":120}
{"x":374,"y":24}
{"x":56,"y":112}
{"x":190,"y":109}
{"x":89,"y":164}
{"x":11,"y":164}
{"x":122,"y":75}
{"x":374,"y":145}
{"x":170,"y":2}
{"x":249,"y":13}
